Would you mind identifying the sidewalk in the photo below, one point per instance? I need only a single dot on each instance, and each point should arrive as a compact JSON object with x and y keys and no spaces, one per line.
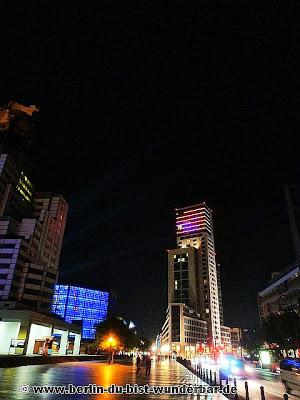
{"x":165,"y":373}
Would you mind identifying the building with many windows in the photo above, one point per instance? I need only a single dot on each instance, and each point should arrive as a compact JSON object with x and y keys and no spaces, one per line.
{"x":226,"y":338}
{"x":220,"y":294}
{"x":183,"y":273}
{"x":29,"y":254}
{"x":184,"y":332}
{"x":194,"y":283}
{"x":194,"y":228}
{"x":32,"y":226}
{"x":236,"y":338}
{"x":74,"y":303}
{"x":281,"y":293}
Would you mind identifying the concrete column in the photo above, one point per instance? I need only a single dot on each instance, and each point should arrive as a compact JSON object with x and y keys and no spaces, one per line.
{"x":182,"y":334}
{"x":63,"y":343}
{"x":24,"y":333}
{"x":76,"y":344}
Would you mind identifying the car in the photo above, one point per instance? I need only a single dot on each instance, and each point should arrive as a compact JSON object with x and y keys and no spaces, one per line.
{"x":290,"y":375}
{"x":232,"y":366}
{"x":249,"y":367}
{"x":274,"y":367}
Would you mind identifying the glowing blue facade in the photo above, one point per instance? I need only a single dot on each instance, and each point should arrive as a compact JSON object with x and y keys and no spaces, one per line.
{"x":76,"y":303}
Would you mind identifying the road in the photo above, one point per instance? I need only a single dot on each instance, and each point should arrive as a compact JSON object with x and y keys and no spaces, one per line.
{"x":164,"y":373}
{"x":274,"y":389}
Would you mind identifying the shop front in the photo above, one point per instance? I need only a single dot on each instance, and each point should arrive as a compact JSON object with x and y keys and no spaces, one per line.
{"x":31,"y":333}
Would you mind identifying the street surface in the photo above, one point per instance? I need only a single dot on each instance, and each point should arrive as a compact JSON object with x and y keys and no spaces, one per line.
{"x":84,"y":373}
{"x":88,"y":372}
{"x":274,"y":389}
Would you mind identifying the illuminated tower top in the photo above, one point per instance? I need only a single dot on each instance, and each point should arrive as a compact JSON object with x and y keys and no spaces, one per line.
{"x":192,"y":221}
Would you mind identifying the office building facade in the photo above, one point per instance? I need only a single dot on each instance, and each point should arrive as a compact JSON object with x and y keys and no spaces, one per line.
{"x":282,"y":293}
{"x":29,"y":254}
{"x":183,"y":277}
{"x":220,"y":294}
{"x":194,"y":228}
{"x":194,"y":282}
{"x":32,"y":226}
{"x":184,"y":333}
{"x":74,"y":303}
{"x":236,"y":338}
{"x":225,"y":338}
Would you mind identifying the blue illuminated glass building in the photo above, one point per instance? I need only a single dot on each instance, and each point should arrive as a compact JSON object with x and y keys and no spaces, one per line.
{"x":76,"y":303}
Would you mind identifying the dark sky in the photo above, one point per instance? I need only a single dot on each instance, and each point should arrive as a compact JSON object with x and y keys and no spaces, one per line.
{"x":149,"y":106}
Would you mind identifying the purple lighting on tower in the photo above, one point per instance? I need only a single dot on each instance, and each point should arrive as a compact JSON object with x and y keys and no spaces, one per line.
{"x":192,"y":220}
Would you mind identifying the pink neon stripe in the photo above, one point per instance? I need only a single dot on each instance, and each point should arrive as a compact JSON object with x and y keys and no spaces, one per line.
{"x":189,"y":230}
{"x":191,"y":223}
{"x":191,"y":215}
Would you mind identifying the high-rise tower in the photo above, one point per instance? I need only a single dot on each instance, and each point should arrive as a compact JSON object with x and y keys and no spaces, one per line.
{"x":194,"y":320}
{"x":31,"y":224}
{"x":32,"y":227}
{"x":194,"y":228}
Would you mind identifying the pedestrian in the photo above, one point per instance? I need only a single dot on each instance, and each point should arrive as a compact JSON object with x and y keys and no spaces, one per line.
{"x":109,"y":357}
{"x":138,"y":365}
{"x":45,"y":347}
{"x":148,"y":365}
{"x":50,"y":344}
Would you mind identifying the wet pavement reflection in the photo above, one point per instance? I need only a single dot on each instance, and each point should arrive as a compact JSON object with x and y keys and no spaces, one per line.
{"x":93,"y":372}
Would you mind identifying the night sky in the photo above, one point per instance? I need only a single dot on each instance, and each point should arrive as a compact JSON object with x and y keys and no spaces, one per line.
{"x":147,"y":106}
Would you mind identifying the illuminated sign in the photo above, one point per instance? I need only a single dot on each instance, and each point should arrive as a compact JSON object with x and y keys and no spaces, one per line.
{"x":19,"y":343}
{"x":265,"y":356}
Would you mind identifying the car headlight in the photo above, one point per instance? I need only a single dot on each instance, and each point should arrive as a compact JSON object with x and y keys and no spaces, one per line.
{"x":225,"y":363}
{"x":235,"y":370}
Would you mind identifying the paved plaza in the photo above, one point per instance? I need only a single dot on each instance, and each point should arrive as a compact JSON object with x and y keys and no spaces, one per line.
{"x":165,"y":373}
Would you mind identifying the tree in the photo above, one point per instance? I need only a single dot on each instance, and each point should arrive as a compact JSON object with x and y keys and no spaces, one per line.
{"x":144,"y":344}
{"x":282,"y":329}
{"x":126,"y":338}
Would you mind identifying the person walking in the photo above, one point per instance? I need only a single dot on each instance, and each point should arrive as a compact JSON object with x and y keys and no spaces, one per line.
{"x":45,"y":347}
{"x":50,"y":344}
{"x":138,"y":365}
{"x":110,"y":357}
{"x":148,"y":365}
